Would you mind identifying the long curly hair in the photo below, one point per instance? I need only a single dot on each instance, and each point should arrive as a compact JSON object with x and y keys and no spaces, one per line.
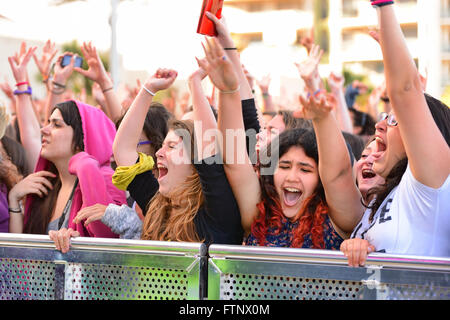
{"x":172,"y":218}
{"x":313,"y":212}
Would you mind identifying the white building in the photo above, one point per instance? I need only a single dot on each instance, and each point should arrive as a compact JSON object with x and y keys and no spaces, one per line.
{"x":268,"y":27}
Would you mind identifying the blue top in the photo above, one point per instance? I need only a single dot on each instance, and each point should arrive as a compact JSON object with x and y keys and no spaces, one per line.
{"x":332,"y":239}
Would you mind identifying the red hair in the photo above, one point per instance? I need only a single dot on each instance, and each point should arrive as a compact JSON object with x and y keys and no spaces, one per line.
{"x":311,"y":218}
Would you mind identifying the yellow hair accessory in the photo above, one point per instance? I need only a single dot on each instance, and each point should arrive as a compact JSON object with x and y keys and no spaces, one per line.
{"x":123,"y":175}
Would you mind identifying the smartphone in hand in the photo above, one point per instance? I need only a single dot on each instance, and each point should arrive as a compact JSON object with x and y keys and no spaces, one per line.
{"x":206,"y":26}
{"x":66,"y":61}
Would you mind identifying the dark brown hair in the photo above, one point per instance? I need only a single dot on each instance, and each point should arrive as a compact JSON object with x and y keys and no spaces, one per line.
{"x":41,"y":209}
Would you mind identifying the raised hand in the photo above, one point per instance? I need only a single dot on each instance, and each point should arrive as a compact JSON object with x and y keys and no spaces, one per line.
{"x":223,"y":35}
{"x":48,"y":53}
{"x":219,"y":68}
{"x":198,"y":75}
{"x":308,"y":68}
{"x":162,"y":79}
{"x":19,"y":62}
{"x":90,"y":214}
{"x":308,"y":41}
{"x":96,"y":71}
{"x":62,"y":74}
{"x":264,"y":83}
{"x":313,"y":109}
{"x":336,"y":82}
{"x":7,"y":90}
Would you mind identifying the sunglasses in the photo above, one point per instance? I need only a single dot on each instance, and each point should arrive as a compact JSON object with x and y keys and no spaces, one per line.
{"x":391,"y":121}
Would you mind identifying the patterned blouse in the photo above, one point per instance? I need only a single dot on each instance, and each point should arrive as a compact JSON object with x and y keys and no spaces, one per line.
{"x":332,"y":239}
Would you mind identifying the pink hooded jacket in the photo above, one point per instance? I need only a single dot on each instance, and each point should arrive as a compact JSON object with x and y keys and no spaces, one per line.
{"x":92,"y":167}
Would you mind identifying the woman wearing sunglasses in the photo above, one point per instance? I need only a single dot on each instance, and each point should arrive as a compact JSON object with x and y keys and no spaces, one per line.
{"x":410,"y":213}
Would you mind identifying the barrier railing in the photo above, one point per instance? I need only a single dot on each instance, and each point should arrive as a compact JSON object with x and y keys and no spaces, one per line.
{"x":253,"y":273}
{"x":94,"y":268}
{"x":116,"y":269}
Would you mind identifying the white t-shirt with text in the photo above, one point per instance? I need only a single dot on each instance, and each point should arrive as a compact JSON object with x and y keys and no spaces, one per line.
{"x":414,"y":219}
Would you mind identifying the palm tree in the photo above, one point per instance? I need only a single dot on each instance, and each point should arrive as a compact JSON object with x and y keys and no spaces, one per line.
{"x":113,"y":58}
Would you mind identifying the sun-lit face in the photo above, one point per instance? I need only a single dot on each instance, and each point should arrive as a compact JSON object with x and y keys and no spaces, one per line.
{"x":295,"y":179}
{"x":389,"y":148}
{"x":274,"y":127}
{"x":365,"y":176}
{"x":57,"y":137}
{"x":173,"y":162}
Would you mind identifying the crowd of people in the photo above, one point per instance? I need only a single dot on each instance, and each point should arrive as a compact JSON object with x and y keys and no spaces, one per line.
{"x":227,"y":170}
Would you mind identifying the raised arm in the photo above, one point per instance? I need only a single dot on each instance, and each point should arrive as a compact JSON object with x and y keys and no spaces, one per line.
{"x":427,"y":151}
{"x":45,"y":61}
{"x":336,"y":84}
{"x":238,"y":168}
{"x":227,"y":43}
{"x":130,"y":129}
{"x":204,"y":121}
{"x":308,"y":70}
{"x":28,"y":122}
{"x":57,"y":85}
{"x":96,"y":72}
{"x":263,"y":84}
{"x":335,"y":170}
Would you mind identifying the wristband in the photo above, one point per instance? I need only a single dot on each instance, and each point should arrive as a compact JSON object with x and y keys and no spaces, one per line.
{"x":57,"y":92}
{"x":107,"y":89}
{"x":233,"y":48}
{"x":19,"y":210}
{"x":58,"y":84}
{"x":22,"y":83}
{"x":314,"y":94}
{"x":151,"y":93}
{"x":28,"y":91}
{"x":380,"y":3}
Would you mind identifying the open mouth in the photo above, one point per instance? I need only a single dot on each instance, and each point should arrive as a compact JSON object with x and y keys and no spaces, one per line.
{"x":381,"y":146}
{"x":368,"y":174}
{"x":291,"y":196}
{"x":162,"y":171}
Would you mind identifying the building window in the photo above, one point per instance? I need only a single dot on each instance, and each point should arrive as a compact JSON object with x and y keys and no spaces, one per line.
{"x":349,"y":8}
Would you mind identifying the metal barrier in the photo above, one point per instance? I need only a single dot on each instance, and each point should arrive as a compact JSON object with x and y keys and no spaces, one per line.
{"x":263,"y":273}
{"x":116,"y":269}
{"x":94,"y":268}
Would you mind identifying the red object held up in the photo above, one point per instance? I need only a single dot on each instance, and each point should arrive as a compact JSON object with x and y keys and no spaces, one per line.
{"x":206,"y":26}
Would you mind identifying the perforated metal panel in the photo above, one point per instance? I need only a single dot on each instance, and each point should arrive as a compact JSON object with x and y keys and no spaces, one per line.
{"x":260,"y":287}
{"x":416,"y":292}
{"x":100,"y":282}
{"x":26,"y":279}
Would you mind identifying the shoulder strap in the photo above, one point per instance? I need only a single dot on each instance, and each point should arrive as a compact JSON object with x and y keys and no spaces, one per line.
{"x":68,"y":206}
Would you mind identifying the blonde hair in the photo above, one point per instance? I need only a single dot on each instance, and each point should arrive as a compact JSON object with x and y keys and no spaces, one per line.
{"x":172,"y":218}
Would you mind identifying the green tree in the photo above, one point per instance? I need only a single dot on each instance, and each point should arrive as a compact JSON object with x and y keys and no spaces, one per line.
{"x":77,"y":81}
